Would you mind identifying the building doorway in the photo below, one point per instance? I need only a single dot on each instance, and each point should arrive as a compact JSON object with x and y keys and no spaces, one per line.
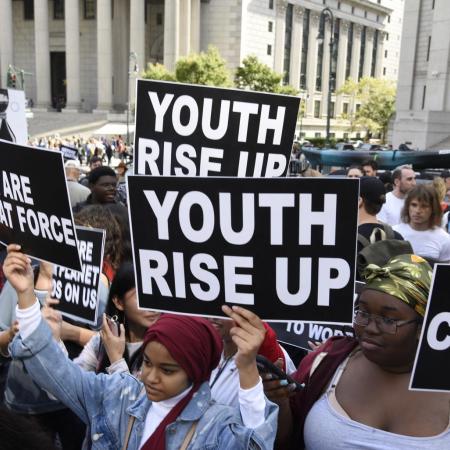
{"x":58,"y":79}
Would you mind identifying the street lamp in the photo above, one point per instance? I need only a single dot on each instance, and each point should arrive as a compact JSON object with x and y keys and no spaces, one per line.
{"x":324,"y":15}
{"x":133,"y":68}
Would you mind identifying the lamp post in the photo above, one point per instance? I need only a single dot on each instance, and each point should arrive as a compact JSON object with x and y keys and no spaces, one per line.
{"x":132,"y":61}
{"x":324,"y":15}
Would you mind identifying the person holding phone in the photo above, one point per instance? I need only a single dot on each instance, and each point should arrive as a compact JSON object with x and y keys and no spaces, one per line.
{"x":171,"y":407}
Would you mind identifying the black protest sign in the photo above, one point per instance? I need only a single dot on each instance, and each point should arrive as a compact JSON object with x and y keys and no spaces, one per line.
{"x":78,"y":291}
{"x":69,"y":152}
{"x":197,"y":130}
{"x":35,"y":209}
{"x":271,"y":245}
{"x":299,"y":333}
{"x":431,"y":370}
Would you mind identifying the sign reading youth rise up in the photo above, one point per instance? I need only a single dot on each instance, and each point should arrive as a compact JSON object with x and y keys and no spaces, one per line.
{"x":270,"y":245}
{"x":192,"y":130}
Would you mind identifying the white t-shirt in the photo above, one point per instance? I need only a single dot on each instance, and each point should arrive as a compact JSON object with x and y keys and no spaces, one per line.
{"x":434,"y":243}
{"x":391,"y":210}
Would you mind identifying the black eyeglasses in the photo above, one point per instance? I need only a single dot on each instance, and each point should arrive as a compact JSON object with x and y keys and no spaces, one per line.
{"x":384,"y":324}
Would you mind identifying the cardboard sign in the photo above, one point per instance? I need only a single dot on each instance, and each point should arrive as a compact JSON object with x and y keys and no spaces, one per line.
{"x":13,"y":120}
{"x":299,"y":333}
{"x":270,"y":245}
{"x":192,"y":130}
{"x":431,"y":370}
{"x":69,"y":152}
{"x":35,"y":209}
{"x":78,"y":291}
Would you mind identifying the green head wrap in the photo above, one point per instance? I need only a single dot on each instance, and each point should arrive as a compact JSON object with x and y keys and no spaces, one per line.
{"x":406,"y":277}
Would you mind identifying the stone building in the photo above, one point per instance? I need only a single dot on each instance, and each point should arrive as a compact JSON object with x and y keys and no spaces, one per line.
{"x":423,"y":98}
{"x":81,"y":54}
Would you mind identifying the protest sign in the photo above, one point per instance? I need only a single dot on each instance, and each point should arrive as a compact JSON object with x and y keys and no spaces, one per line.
{"x":193,"y":130}
{"x":299,"y":333}
{"x":35,"y":209}
{"x":78,"y":291}
{"x":69,"y":152}
{"x":431,"y":371}
{"x":13,"y":120}
{"x":270,"y":245}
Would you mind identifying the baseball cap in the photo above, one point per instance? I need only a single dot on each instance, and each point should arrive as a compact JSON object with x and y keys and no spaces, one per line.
{"x":372,"y":189}
{"x":72,"y":163}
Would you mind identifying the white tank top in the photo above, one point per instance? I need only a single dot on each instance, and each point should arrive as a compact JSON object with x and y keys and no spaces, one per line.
{"x":327,"y":429}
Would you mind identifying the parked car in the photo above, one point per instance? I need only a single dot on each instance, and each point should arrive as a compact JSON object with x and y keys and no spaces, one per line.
{"x":344,"y":146}
{"x":367,"y":147}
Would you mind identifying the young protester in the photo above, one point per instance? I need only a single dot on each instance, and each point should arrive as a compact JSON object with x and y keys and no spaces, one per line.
{"x":421,"y":224}
{"x":369,"y":168}
{"x":175,"y":410}
{"x":354,"y":172}
{"x":356,"y":390}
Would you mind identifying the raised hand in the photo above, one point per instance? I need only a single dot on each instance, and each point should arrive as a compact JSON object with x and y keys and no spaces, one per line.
{"x":114,"y":345}
{"x":18,"y":271}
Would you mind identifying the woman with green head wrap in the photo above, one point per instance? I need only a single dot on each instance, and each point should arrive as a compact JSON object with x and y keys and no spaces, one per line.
{"x":356,"y":394}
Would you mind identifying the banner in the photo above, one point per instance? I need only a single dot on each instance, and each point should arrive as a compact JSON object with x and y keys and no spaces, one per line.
{"x":78,"y":291}
{"x":13,"y":120}
{"x":193,"y":130}
{"x":69,"y":152}
{"x":431,"y":370}
{"x":270,"y":245}
{"x":35,"y":209}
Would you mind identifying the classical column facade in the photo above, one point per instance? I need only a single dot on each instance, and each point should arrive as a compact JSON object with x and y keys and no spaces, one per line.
{"x":380,"y":55}
{"x":72,"y":29}
{"x":42,"y":54}
{"x":6,"y":40}
{"x":280,"y":30}
{"x":368,"y":53}
{"x":185,"y":27}
{"x":341,"y":63}
{"x":311,"y":65}
{"x":356,"y":52}
{"x":195,"y":26}
{"x":137,"y":45}
{"x":296,"y":46}
{"x":171,"y":32}
{"x":104,"y":56}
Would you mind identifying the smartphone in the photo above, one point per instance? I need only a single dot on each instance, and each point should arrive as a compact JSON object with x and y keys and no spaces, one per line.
{"x":266,"y":366}
{"x":113,"y":325}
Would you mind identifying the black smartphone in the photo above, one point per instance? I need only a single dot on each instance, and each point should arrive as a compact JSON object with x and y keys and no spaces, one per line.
{"x":266,"y":366}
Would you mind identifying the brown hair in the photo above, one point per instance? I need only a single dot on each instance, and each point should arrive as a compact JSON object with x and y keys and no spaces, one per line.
{"x":427,"y":194}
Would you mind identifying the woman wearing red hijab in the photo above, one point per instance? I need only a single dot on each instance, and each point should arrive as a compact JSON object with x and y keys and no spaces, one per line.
{"x":171,"y":408}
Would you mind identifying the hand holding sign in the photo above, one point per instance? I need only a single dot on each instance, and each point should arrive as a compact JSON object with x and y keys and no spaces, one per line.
{"x":18,"y":271}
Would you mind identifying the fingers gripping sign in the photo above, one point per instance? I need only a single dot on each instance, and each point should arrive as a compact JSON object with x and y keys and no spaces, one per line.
{"x":18,"y":271}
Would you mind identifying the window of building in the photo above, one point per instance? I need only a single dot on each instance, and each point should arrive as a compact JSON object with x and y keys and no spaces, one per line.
{"x":89,"y":9}
{"x":357,"y":107}
{"x":353,"y":10}
{"x":58,"y":9}
{"x":319,"y":66}
{"x":345,"y":108}
{"x":159,"y":19}
{"x":270,"y":4}
{"x":305,"y":43}
{"x":424,"y":94}
{"x":302,"y":135}
{"x":348,"y":64}
{"x":332,"y":106}
{"x":287,"y":42}
{"x":345,"y":136}
{"x":332,"y":135}
{"x":362,"y":53}
{"x":374,"y":53}
{"x":428,"y":48}
{"x":339,"y":5}
{"x":432,"y":5}
{"x":317,"y":109}
{"x":385,"y":53}
{"x":28,"y":9}
{"x":269,"y":49}
{"x":388,"y":19}
{"x":387,"y":36}
{"x":365,"y":14}
{"x":358,"y":135}
{"x":384,"y":70}
{"x":378,"y":17}
{"x":317,"y":135}
{"x":270,"y":26}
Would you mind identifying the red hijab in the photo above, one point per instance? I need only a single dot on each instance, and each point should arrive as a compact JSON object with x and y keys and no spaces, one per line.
{"x":196,"y":346}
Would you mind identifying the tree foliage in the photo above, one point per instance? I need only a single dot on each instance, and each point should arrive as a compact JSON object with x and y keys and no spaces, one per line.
{"x":158,"y":72}
{"x":256,"y":76}
{"x":377,"y":98}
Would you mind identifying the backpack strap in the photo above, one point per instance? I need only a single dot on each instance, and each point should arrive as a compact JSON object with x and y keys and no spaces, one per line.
{"x":188,"y":437}
{"x":128,"y":433}
{"x":390,"y":234}
{"x":363,"y":240}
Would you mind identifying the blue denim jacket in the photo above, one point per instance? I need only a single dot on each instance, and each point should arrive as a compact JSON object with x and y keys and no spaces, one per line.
{"x":105,"y":403}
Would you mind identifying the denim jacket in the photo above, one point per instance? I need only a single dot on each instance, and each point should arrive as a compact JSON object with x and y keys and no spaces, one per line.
{"x":105,"y":403}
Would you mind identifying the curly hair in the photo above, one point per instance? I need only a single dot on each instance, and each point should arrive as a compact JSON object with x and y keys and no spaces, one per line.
{"x":97,"y":216}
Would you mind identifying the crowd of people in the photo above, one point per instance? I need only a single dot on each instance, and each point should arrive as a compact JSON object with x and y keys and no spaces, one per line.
{"x":149,"y":380}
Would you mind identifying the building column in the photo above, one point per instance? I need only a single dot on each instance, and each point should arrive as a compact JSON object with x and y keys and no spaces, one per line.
{"x":42,"y":54}
{"x":280,"y":32}
{"x":311,"y":64}
{"x":380,"y":55}
{"x":195,"y":26}
{"x":72,"y":29}
{"x":296,"y":46}
{"x":6,"y":40}
{"x":171,"y":33}
{"x":356,"y":52}
{"x":185,"y":27}
{"x":341,"y":63}
{"x":104,"y":56}
{"x":137,"y":45}
{"x":326,"y":68}
{"x":368,"y":53}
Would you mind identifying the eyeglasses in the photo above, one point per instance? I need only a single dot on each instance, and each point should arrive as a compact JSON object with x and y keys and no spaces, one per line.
{"x":384,"y":324}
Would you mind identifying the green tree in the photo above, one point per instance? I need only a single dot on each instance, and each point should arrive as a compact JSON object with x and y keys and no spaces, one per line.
{"x":377,"y":99}
{"x":207,"y":68}
{"x":158,"y":72}
{"x":256,"y":76}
